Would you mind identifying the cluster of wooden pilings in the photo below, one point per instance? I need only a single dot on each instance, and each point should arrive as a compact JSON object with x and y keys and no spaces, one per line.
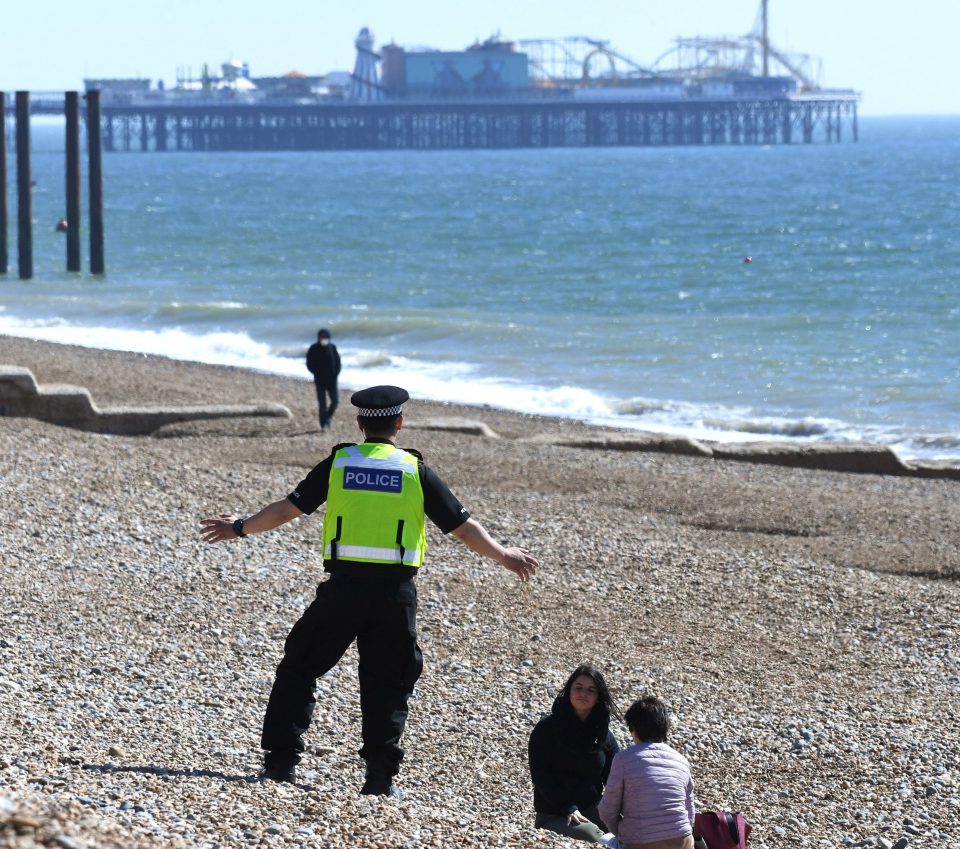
{"x":71,"y":221}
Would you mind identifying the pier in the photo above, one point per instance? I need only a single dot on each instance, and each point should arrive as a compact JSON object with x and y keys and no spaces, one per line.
{"x":431,"y":125}
{"x":493,"y":124}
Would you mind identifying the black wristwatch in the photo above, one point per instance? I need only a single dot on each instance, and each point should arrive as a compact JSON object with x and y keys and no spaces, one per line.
{"x":238,"y":527}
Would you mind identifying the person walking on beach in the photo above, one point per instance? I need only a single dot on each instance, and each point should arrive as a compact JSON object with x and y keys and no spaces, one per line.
{"x":374,"y":541}
{"x":323,"y":362}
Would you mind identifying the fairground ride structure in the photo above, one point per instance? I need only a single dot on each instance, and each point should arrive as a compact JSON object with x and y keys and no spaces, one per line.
{"x":579,"y":61}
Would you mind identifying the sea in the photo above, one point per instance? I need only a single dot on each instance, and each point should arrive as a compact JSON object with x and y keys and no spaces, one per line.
{"x":734,"y":293}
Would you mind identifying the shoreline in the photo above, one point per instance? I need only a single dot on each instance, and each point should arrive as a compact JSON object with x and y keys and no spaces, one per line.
{"x":734,"y":429}
{"x":828,"y":455}
{"x":801,"y":623}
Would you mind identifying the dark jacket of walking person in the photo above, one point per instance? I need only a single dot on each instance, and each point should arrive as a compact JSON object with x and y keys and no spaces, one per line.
{"x":374,"y":542}
{"x":323,"y":362}
{"x":648,"y":801}
{"x":570,"y":753}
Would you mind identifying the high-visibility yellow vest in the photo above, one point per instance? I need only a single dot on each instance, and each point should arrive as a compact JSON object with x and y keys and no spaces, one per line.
{"x":375,"y":506}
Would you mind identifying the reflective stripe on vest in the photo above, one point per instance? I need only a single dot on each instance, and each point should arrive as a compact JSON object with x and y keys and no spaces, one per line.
{"x":395,"y":462}
{"x":367,"y":552}
{"x":375,"y":506}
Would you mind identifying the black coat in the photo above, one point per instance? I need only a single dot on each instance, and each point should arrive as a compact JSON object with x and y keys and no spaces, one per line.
{"x":323,"y":362}
{"x":569,"y":759}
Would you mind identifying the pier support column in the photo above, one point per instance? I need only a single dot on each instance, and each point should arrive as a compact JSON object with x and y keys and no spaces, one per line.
{"x":24,"y":190}
{"x":95,"y":171}
{"x":72,"y":115}
{"x":161,"y":130}
{"x":4,"y":255}
{"x":109,"y":138}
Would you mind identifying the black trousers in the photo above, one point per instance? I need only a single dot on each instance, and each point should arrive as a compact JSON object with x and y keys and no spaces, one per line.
{"x":325,"y":389}
{"x":380,"y":614}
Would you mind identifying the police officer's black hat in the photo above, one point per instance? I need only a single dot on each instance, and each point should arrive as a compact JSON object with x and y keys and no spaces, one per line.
{"x":380,"y":400}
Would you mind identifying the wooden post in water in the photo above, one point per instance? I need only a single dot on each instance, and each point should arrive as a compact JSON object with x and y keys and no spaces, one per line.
{"x":95,"y":155}
{"x":4,"y":255}
{"x":24,"y":209}
{"x":72,"y":113}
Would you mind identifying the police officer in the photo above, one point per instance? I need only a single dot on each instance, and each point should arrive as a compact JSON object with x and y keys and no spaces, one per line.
{"x":374,"y":541}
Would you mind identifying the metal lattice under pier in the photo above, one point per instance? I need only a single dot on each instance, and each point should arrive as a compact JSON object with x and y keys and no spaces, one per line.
{"x":439,"y":125}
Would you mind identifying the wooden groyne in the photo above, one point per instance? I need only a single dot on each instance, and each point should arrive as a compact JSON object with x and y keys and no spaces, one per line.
{"x":70,"y":107}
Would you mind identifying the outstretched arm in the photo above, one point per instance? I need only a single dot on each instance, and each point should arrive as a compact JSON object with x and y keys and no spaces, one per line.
{"x":270,"y":517}
{"x":472,"y":534}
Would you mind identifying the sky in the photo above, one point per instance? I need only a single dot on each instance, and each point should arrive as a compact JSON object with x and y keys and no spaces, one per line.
{"x":900,"y":56}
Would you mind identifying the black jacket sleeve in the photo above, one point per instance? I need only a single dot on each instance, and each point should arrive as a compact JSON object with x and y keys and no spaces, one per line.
{"x":610,"y":749}
{"x":547,"y":780}
{"x":311,"y":492}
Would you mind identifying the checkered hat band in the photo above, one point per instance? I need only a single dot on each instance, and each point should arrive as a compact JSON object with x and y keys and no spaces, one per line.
{"x":380,"y":411}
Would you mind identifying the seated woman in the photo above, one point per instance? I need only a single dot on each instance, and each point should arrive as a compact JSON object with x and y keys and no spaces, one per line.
{"x":570,"y":753}
{"x":648,"y":801}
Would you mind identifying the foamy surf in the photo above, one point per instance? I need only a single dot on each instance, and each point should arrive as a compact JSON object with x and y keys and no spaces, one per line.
{"x":461,"y":383}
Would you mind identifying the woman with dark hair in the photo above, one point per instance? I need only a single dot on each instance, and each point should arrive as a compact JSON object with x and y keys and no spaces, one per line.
{"x":648,"y":801}
{"x":570,"y":753}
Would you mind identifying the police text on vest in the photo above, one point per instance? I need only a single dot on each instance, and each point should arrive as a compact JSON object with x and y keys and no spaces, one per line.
{"x":371,"y":479}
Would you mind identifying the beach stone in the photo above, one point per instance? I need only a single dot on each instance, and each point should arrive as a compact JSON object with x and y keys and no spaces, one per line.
{"x":827,"y":593}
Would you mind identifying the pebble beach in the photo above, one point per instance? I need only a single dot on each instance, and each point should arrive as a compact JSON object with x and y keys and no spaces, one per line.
{"x":803,"y":626}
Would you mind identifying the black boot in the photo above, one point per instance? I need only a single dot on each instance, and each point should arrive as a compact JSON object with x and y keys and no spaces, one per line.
{"x":282,"y":770}
{"x":379,"y":782}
